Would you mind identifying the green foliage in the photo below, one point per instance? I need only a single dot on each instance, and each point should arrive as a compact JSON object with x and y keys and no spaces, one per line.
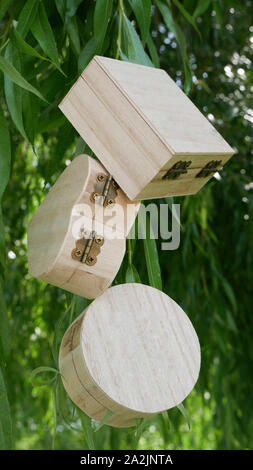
{"x":44,"y":46}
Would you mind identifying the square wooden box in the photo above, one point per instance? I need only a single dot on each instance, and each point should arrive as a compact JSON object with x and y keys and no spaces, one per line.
{"x":144,"y":129}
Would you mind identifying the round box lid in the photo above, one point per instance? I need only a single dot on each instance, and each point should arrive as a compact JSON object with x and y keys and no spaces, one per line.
{"x":140,"y":348}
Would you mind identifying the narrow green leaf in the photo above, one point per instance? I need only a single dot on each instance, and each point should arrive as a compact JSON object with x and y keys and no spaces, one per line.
{"x":5,"y":339}
{"x":102,"y":16}
{"x":86,"y":55}
{"x":153,"y":52}
{"x":80,"y":146}
{"x":27,"y":16}
{"x":72,"y":29}
{"x":134,"y":48}
{"x":152,"y":259}
{"x":72,"y":6}
{"x":183,"y":411}
{"x":87,"y":429}
{"x":13,"y":93}
{"x":201,"y":7}
{"x":218,"y":11}
{"x":187,"y":15}
{"x":4,"y":7}
{"x":139,"y":428}
{"x":17,"y":78}
{"x":43,"y":33}
{"x":2,"y":438}
{"x":142,"y":11}
{"x":31,"y":111}
{"x":42,"y":370}
{"x":107,"y":416}
{"x":5,"y":416}
{"x":61,"y":400}
{"x":229,"y":293}
{"x":5,"y":154}
{"x":23,"y":46}
{"x":132,"y":274}
{"x":2,"y":241}
{"x":176,"y":30}
{"x":58,"y":334}
{"x":67,"y":12}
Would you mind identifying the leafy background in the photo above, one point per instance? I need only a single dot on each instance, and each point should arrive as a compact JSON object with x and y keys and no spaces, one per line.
{"x":206,"y":46}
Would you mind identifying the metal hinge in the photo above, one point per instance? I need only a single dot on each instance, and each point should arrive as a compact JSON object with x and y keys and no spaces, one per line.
{"x":87,"y":249}
{"x":209,"y":168}
{"x":176,"y":170}
{"x":106,"y":188}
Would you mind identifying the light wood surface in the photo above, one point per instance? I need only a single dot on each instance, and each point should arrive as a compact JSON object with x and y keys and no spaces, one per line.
{"x":51,"y":238}
{"x":133,"y":351}
{"x":139,"y":122}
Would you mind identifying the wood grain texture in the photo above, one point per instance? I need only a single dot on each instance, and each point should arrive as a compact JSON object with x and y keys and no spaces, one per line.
{"x":139,"y":122}
{"x":65,"y":211}
{"x":132,"y":351}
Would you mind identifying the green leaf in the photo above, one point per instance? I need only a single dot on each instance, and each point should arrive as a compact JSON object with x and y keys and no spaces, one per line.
{"x":72,"y":29}
{"x":67,"y":12}
{"x":43,"y":33}
{"x":80,"y":146}
{"x":4,"y":7}
{"x":27,"y":17}
{"x":218,"y":11}
{"x":5,"y":154}
{"x":5,"y":339}
{"x":42,"y":370}
{"x":183,"y":411}
{"x":152,"y":259}
{"x":134,"y":48}
{"x":142,"y":11}
{"x":102,"y":16}
{"x":229,"y":293}
{"x":13,"y":93}
{"x":187,"y":15}
{"x":72,"y":6}
{"x":23,"y":46}
{"x":2,"y":241}
{"x":132,"y":274}
{"x":87,"y":429}
{"x":175,"y":29}
{"x":201,"y":7}
{"x":106,"y":417}
{"x":86,"y":55}
{"x":5,"y":416}
{"x":8,"y":69}
{"x":153,"y":52}
{"x":58,"y":333}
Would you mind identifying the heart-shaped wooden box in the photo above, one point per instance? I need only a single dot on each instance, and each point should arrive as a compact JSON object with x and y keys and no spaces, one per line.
{"x":133,"y":351}
{"x":144,"y":129}
{"x":77,"y":237}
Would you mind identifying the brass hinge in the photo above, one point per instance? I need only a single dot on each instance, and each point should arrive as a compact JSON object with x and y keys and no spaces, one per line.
{"x":209,"y":168}
{"x":176,"y":170}
{"x":106,"y":188}
{"x":87,"y":249}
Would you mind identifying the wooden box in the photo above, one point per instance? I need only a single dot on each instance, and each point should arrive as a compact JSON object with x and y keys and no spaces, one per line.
{"x":144,"y":129}
{"x":75,"y":240}
{"x":133,"y":352}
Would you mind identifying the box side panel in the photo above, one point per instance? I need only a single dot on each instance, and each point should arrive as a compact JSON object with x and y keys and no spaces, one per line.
{"x":107,"y":137}
{"x":156,"y":152}
{"x":166,"y":108}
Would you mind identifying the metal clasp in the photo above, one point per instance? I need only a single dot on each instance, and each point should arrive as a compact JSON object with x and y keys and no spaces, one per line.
{"x":87,"y":249}
{"x":106,"y":188}
{"x":209,"y":168}
{"x":176,"y":170}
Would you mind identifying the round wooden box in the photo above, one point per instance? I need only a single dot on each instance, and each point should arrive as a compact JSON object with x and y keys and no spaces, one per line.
{"x":76,"y":239}
{"x":132,"y":351}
